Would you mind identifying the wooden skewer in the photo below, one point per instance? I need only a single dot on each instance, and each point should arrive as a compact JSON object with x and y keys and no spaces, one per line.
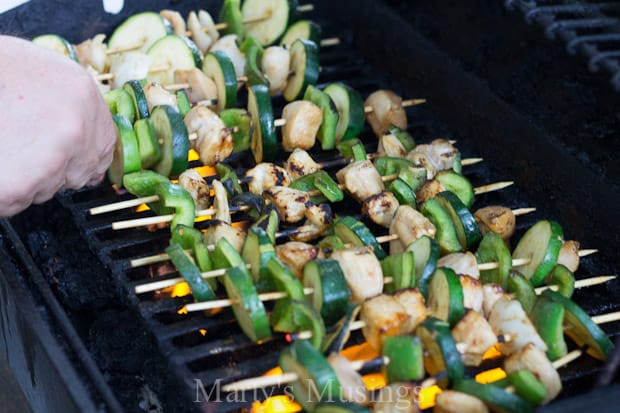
{"x":154,"y":69}
{"x":524,"y":261}
{"x":266,"y":381}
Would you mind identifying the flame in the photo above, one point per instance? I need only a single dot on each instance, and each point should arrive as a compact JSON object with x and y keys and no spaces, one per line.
{"x":276,"y":404}
{"x":180,"y":290}
{"x":426,"y":398}
{"x":490,"y":376}
{"x":193,"y":155}
{"x":143,"y":207}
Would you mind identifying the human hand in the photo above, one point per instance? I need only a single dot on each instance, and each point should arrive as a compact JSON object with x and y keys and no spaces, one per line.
{"x":55,"y":130}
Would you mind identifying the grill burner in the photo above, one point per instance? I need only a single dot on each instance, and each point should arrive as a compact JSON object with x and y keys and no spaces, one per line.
{"x":131,"y":335}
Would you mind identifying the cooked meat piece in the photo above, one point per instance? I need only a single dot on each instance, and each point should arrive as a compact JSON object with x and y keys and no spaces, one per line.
{"x":429,"y":190}
{"x":473,"y":295}
{"x":535,"y":360}
{"x":222,"y":210}
{"x":391,"y":146}
{"x":228,"y":45}
{"x":451,"y":401}
{"x":92,"y":52}
{"x":361,"y":179}
{"x":295,"y":255}
{"x":265,"y":175}
{"x":157,"y":95}
{"x":201,"y":87}
{"x":192,"y":182}
{"x":413,"y":301}
{"x":219,"y":230}
{"x":291,"y":203}
{"x":569,"y":255}
{"x":508,"y":318}
{"x":276,"y":67}
{"x":204,"y":33}
{"x":353,"y":387}
{"x":362,"y":270}
{"x":381,"y":208}
{"x":386,"y":111}
{"x":300,"y":163}
{"x":400,"y":397}
{"x":176,"y":20}
{"x":383,"y":316}
{"x":303,"y":120}
{"x":129,"y":66}
{"x":409,"y":225}
{"x":462,"y":263}
{"x":474,"y":336}
{"x":496,"y":219}
{"x":437,"y":156}
{"x":491,"y":293}
{"x":318,"y":216}
{"x":214,"y":142}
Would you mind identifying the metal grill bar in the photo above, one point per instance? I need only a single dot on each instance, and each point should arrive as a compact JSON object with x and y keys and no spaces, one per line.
{"x":584,"y":27}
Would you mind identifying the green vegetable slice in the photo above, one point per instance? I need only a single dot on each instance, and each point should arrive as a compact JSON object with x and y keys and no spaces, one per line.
{"x":493,"y":249}
{"x":522,"y":289}
{"x":172,"y":134}
{"x":136,"y":91}
{"x":241,"y":122}
{"x":304,"y":69}
{"x":426,"y":254}
{"x":120,"y":103}
{"x":280,"y":14}
{"x":327,"y":131}
{"x":457,"y":184}
{"x":350,"y":230}
{"x":497,"y":399}
{"x":303,"y":29}
{"x":331,"y":292}
{"x":257,"y":251}
{"x":548,"y":316}
{"x":230,"y":14}
{"x":401,"y":268}
{"x":406,"y":358}
{"x":264,"y":140}
{"x":350,"y":108}
{"x":140,"y":29}
{"x":57,"y":44}
{"x":150,"y":151}
{"x":564,"y":279}
{"x":541,"y":245}
{"x":201,"y":290}
{"x":218,"y":66}
{"x":126,"y":152}
{"x":528,"y":386}
{"x":445,"y":296}
{"x":467,"y":229}
{"x":446,"y":232}
{"x":442,"y":353}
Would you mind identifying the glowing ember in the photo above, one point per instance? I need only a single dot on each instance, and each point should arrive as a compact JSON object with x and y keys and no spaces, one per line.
{"x":193,"y":155}
{"x":426,"y":398}
{"x":374,"y":381}
{"x":490,"y":376}
{"x":180,"y":290}
{"x":276,"y":404}
{"x":203,"y":331}
{"x":143,"y":207}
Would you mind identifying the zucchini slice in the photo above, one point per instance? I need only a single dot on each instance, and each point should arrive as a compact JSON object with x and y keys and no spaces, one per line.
{"x":172,"y":52}
{"x":126,"y":152}
{"x":120,"y":103}
{"x":541,"y":244}
{"x":315,"y":377}
{"x":247,"y":306}
{"x":303,"y":29}
{"x":457,"y":184}
{"x":201,"y":290}
{"x":136,"y":91}
{"x":230,"y":14}
{"x":257,"y":250}
{"x":528,"y":386}
{"x":331,"y":292}
{"x":465,"y":224}
{"x":426,"y":254}
{"x":304,"y":68}
{"x":225,"y":255}
{"x":57,"y":44}
{"x":548,"y":317}
{"x":496,"y":398}
{"x":445,"y":296}
{"x":581,"y":328}
{"x":401,"y":267}
{"x":150,"y":152}
{"x":172,"y":135}
{"x":442,"y":353}
{"x":278,"y":15}
{"x":350,"y":230}
{"x":493,"y":249}
{"x":446,"y":232}
{"x":406,"y":358}
{"x":218,"y":66}
{"x":335,"y":341}
{"x":264,"y":140}
{"x":142,"y":28}
{"x":290,"y":316}
{"x":350,"y":108}
{"x":327,"y":131}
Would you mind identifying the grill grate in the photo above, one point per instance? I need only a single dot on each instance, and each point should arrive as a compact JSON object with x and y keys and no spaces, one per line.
{"x":591,"y":29}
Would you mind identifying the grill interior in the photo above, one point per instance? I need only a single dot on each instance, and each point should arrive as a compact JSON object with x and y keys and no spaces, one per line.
{"x":144,"y":335}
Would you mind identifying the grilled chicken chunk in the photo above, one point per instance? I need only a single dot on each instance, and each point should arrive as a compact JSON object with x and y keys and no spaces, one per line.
{"x":300,"y":163}
{"x":129,"y":66}
{"x":491,"y":293}
{"x":176,"y":20}
{"x":386,"y":111}
{"x":266,"y":175}
{"x":462,"y":263}
{"x":157,"y":95}
{"x":532,"y":358}
{"x":318,"y":216}
{"x":296,"y":254}
{"x":192,"y":182}
{"x":290,"y":203}
{"x":204,"y":33}
{"x":569,"y":255}
{"x":362,"y":270}
{"x":275,"y":65}
{"x":92,"y":52}
{"x":214,"y":142}
{"x":429,"y":190}
{"x":413,"y":301}
{"x":381,"y":208}
{"x":399,"y":397}
{"x":228,"y":45}
{"x":391,"y":146}
{"x":201,"y":87}
{"x":437,"y":156}
{"x":353,"y":387}
{"x":222,"y":210}
{"x":361,"y":179}
{"x":451,"y":401}
{"x":383,"y":316}
{"x":409,"y":225}
{"x":219,"y":230}
{"x":474,"y":336}
{"x":508,"y":318}
{"x":496,"y":219}
{"x":473,"y":295}
{"x":303,"y":120}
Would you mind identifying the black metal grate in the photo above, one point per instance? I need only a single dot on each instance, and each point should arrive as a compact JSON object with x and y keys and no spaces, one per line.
{"x":591,"y":29}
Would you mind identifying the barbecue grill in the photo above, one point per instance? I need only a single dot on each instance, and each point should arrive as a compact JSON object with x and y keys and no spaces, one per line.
{"x":79,"y":338}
